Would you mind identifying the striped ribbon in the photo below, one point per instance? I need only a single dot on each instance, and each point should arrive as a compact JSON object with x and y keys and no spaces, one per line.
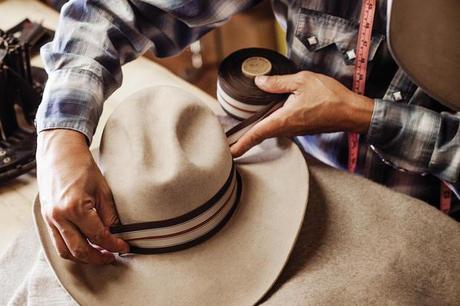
{"x":186,"y":230}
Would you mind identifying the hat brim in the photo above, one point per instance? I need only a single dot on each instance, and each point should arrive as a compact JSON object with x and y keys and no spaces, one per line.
{"x":423,"y":39}
{"x":237,"y":266}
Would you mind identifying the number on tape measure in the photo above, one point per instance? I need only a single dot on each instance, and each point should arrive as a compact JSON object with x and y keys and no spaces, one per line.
{"x":366,"y":22}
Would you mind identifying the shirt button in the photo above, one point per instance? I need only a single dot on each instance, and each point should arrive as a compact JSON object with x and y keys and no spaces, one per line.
{"x":397,"y":96}
{"x":312,"y":40}
{"x":350,"y":54}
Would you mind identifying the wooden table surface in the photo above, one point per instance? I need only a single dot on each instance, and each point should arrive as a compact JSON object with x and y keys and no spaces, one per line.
{"x":16,"y":197}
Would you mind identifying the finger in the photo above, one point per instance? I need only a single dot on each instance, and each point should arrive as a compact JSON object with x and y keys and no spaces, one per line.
{"x":266,"y":128}
{"x":91,"y":226}
{"x":280,"y":83}
{"x":106,"y":209}
{"x":80,"y":248}
{"x":60,"y":245}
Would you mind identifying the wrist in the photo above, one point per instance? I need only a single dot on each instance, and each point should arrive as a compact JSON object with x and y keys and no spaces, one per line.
{"x":358,"y":113}
{"x":61,"y":140}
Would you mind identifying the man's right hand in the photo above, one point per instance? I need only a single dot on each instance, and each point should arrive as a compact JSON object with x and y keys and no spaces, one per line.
{"x":76,"y":201}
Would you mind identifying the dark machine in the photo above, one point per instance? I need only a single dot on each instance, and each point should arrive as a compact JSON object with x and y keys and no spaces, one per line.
{"x":21,"y":88}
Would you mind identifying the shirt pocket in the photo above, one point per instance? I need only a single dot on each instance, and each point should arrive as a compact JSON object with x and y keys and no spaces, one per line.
{"x":327,"y":44}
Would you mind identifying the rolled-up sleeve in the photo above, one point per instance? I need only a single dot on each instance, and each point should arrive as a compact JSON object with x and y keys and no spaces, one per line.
{"x":417,"y":139}
{"x":95,"y":38}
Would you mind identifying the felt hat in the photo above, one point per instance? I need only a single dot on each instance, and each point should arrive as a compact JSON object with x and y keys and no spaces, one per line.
{"x":424,"y":38}
{"x":209,"y":230}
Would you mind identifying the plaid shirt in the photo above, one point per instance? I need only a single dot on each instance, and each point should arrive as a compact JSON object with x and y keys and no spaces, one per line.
{"x":412,"y":144}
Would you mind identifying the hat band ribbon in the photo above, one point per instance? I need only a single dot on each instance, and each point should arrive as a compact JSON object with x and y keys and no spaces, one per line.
{"x":236,"y":132}
{"x":187,"y":230}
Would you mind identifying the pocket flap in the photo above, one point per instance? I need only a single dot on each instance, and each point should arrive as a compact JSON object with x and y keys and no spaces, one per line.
{"x":319,"y":30}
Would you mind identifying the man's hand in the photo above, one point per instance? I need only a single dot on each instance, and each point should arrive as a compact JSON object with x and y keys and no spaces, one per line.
{"x":76,"y":201}
{"x":317,"y":104}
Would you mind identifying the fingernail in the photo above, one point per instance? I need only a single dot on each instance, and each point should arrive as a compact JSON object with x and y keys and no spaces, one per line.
{"x":261,"y":79}
{"x":234,"y":152}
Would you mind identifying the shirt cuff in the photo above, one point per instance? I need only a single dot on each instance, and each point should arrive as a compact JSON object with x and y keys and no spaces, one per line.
{"x":73,"y":99}
{"x":374,"y":132}
{"x":445,"y":159}
{"x":404,"y":135}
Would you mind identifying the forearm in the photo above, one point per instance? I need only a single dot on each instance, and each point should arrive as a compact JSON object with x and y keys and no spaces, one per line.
{"x":358,"y":113}
{"x":52,"y":142}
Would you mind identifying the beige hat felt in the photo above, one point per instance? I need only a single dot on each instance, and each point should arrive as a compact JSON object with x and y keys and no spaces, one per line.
{"x":222,"y":230}
{"x":424,"y":38}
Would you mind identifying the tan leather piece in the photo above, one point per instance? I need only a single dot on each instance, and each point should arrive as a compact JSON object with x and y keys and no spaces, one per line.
{"x":364,"y":244}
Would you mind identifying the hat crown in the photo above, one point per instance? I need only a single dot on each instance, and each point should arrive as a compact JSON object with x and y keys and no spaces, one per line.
{"x":163,"y":154}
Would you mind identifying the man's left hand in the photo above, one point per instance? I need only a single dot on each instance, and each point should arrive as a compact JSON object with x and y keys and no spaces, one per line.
{"x":316,"y":104}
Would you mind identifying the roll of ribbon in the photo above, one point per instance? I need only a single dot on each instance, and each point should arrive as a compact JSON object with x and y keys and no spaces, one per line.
{"x":236,"y":91}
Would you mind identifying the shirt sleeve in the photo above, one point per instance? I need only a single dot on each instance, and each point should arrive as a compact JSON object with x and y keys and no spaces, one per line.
{"x":417,"y":139}
{"x":95,"y":38}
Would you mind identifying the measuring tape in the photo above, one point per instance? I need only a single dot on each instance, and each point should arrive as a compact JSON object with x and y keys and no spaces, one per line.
{"x":366,"y":21}
{"x":445,"y":200}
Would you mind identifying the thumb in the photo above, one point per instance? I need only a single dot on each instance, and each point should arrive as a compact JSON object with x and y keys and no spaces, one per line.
{"x":266,"y":128}
{"x":277,"y":83}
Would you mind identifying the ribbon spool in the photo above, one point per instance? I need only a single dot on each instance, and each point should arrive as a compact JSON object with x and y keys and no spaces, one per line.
{"x":236,"y":91}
